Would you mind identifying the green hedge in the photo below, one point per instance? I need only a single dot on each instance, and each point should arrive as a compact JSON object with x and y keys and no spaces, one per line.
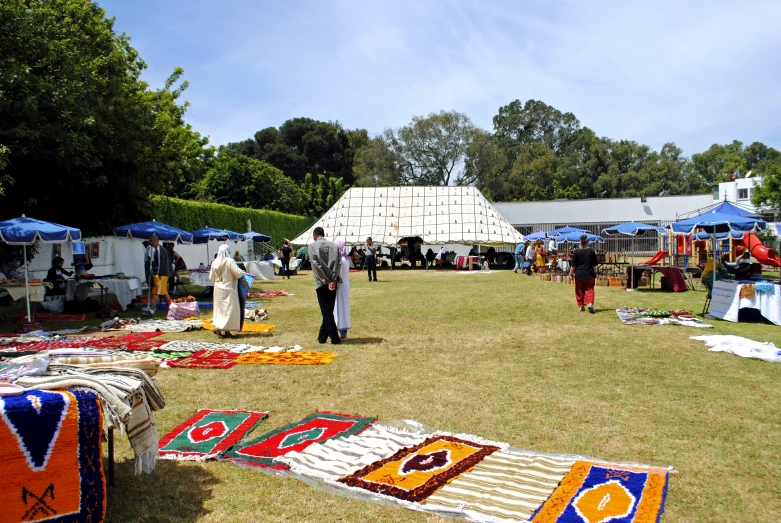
{"x":190,"y":216}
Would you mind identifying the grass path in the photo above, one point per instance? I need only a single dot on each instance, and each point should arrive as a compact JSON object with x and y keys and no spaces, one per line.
{"x":502,"y":356}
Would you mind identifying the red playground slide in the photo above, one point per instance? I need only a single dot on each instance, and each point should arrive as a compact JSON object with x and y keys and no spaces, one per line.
{"x":659,"y":256}
{"x":760,"y":251}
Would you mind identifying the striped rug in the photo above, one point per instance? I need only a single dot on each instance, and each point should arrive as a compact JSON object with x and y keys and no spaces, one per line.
{"x":502,"y":486}
{"x":335,"y":458}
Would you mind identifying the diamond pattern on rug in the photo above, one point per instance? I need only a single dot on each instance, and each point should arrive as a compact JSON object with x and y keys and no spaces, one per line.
{"x":208,"y":433}
{"x":206,"y":359}
{"x":315,"y":428}
{"x":415,"y":473}
{"x":592,"y":493}
{"x":503,"y":486}
{"x":50,"y":454}
{"x":287,"y":358}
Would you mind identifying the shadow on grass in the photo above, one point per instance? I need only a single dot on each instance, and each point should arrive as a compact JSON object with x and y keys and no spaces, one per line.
{"x":363,"y":341}
{"x":175,"y":491}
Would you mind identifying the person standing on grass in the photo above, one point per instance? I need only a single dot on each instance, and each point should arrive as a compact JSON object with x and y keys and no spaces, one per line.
{"x":582,"y":268}
{"x":342,"y":309}
{"x":158,"y":268}
{"x":228,"y":312}
{"x":326,"y":271}
{"x":284,"y":256}
{"x":371,"y":258}
{"x":530,"y":255}
{"x":518,"y":256}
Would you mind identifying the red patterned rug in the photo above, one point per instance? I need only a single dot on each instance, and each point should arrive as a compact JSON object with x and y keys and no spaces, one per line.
{"x":208,"y":433}
{"x":206,"y":359}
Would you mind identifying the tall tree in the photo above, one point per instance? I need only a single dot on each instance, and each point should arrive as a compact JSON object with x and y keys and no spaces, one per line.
{"x":80,"y":128}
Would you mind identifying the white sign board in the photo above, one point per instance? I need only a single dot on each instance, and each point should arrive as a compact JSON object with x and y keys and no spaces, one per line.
{"x":725,"y":301}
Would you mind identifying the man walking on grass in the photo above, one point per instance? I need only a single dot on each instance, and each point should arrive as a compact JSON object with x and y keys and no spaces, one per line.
{"x":326,"y":267}
{"x":582,"y":268}
{"x":158,"y":268}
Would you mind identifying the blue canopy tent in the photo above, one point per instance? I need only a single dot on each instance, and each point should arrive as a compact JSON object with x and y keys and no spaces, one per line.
{"x":563,"y":230}
{"x":714,"y":223}
{"x":210,"y":233}
{"x":535,"y":236}
{"x":257,"y":237}
{"x":25,"y":231}
{"x":632,"y":229}
{"x":143,"y":230}
{"x":729,"y":208}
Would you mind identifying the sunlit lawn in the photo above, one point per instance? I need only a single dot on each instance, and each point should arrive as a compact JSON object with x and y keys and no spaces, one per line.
{"x":502,"y":356}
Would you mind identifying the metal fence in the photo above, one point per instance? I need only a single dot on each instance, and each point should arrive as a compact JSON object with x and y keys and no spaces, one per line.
{"x":645,"y":244}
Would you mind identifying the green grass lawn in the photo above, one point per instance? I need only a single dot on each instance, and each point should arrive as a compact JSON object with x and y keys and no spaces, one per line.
{"x":502,"y":356}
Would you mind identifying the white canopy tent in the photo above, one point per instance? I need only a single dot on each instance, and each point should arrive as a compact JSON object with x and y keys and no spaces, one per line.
{"x":437,"y":215}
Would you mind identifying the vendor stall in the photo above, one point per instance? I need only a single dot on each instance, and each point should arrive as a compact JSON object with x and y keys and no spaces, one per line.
{"x":730,"y":296}
{"x":674,"y":276}
{"x":200,"y":278}
{"x":126,"y":290}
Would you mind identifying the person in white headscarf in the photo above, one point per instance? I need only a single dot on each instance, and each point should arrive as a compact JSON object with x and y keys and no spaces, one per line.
{"x":342,"y":307}
{"x":225,"y":275}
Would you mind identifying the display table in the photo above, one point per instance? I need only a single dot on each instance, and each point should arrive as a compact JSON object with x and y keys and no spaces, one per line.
{"x":465,"y":262}
{"x":17,"y":292}
{"x":201,"y":279}
{"x":295,"y":263}
{"x":263,"y":270}
{"x":124,"y":289}
{"x":726,"y":302}
{"x":674,"y":276}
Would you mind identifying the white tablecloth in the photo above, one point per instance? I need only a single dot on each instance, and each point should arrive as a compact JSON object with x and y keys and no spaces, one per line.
{"x":37,"y":292}
{"x":262,"y":270}
{"x":201,"y":279}
{"x":726,"y":302}
{"x":124,"y":290}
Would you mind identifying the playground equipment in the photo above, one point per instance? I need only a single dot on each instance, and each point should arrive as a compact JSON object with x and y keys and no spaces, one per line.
{"x":764,"y":254}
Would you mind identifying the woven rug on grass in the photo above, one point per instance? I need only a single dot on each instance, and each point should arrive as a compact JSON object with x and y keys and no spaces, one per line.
{"x":502,"y":486}
{"x":208,"y":433}
{"x":315,"y":428}
{"x":413,"y":474}
{"x":50,"y":455}
{"x":287,"y":358}
{"x":248,"y":327}
{"x":269,"y":293}
{"x":599,"y":492}
{"x":162,"y":354}
{"x":639,"y":316}
{"x":206,"y":359}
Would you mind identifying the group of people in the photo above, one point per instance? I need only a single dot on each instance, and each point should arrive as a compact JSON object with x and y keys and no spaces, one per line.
{"x":531,"y":256}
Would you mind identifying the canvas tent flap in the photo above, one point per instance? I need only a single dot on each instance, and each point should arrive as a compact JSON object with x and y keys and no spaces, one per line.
{"x":438,"y":215}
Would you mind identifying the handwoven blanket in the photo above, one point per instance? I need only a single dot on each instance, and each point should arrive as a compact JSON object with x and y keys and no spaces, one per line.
{"x":165,"y":326}
{"x":335,"y":458}
{"x":598,"y":492}
{"x":162,"y":354}
{"x":206,"y":359}
{"x":248,"y":327}
{"x":502,"y":486}
{"x":208,"y":433}
{"x":195,"y":346}
{"x":637,"y":316}
{"x":413,"y":474}
{"x":287,"y":358}
{"x":50,"y":455}
{"x":270,"y":293}
{"x":315,"y":428}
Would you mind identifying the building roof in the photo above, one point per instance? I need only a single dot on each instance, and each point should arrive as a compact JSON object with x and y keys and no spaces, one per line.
{"x":438,"y":215}
{"x":608,"y":210}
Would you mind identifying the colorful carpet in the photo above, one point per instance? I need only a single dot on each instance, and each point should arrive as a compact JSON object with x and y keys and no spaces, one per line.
{"x":50,"y":455}
{"x":248,"y":327}
{"x":287,"y":358}
{"x":162,"y":354}
{"x":270,"y":293}
{"x":206,"y":359}
{"x":415,"y":473}
{"x":595,"y":493}
{"x":638,"y":316}
{"x":208,"y":433}
{"x":503,"y":486}
{"x":315,"y":428}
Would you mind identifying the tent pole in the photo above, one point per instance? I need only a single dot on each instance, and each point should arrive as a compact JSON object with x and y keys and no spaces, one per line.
{"x":26,"y":283}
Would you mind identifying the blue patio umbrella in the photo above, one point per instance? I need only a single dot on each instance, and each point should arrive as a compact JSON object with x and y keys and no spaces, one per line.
{"x":736,"y":235}
{"x":574,"y":237}
{"x":256,"y":236}
{"x":210,"y":233}
{"x":632,"y":229}
{"x":535,"y":236}
{"x":143,"y":230}
{"x":564,"y":230}
{"x":25,"y":231}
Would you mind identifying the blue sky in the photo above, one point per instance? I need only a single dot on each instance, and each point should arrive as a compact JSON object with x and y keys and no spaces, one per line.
{"x":696,"y":73}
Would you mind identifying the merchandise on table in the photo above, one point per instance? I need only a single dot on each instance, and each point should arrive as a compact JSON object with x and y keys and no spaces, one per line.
{"x":208,"y":433}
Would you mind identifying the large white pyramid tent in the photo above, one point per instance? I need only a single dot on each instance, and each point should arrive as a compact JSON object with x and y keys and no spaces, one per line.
{"x":438,"y":215}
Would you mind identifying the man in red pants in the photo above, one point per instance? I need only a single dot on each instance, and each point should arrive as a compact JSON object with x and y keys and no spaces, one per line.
{"x":584,"y":261}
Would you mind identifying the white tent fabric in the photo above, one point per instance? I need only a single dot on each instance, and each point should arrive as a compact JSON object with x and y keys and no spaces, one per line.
{"x":438,"y":215}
